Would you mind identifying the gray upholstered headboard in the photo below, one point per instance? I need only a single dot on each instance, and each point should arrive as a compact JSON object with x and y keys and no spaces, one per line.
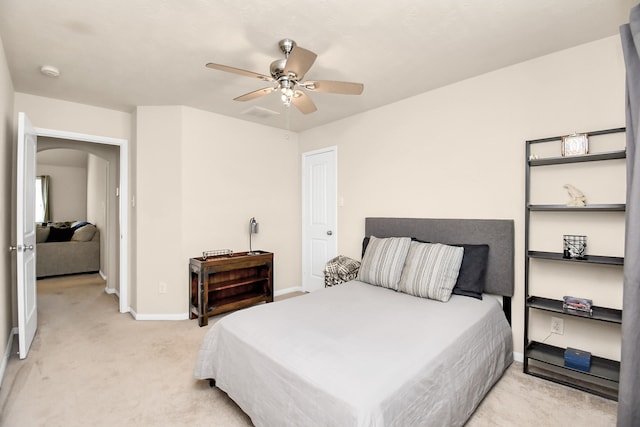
{"x":497,"y":233}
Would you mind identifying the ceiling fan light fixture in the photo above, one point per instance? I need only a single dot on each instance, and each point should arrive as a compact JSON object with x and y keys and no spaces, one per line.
{"x":286,"y":87}
{"x":286,"y":100}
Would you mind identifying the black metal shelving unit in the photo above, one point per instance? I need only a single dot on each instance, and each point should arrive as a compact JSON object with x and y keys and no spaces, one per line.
{"x":544,"y":360}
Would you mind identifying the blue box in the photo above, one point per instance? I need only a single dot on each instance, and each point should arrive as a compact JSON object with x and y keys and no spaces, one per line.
{"x":577,"y":359}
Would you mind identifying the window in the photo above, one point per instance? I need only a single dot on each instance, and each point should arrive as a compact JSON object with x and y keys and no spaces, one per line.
{"x":42,"y":198}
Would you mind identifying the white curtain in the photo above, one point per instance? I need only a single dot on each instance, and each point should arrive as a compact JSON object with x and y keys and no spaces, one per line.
{"x":629,"y":393}
{"x":42,"y":199}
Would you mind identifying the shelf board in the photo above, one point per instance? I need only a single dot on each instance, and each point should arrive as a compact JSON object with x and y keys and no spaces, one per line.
{"x":612,"y":207}
{"x":588,"y":259}
{"x":599,"y":313}
{"x":610,"y":155}
{"x":237,"y":301}
{"x":609,"y":390}
{"x":229,"y":284}
{"x":590,"y":133}
{"x":600,"y":367}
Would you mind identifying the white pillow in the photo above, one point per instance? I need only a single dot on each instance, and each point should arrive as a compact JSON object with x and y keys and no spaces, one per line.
{"x":84,"y":233}
{"x":383,"y":261}
{"x":431,"y":270}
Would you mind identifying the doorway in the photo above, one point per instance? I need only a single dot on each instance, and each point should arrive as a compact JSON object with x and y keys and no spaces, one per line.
{"x":82,"y":178}
{"x":119,"y":232}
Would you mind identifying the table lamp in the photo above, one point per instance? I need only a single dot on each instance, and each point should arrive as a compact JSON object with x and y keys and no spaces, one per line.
{"x":253,"y":229}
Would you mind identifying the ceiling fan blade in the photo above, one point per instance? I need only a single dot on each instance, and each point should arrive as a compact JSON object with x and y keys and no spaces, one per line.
{"x":255,"y":94}
{"x":299,"y":62}
{"x":344,"y":88}
{"x":239,"y":71}
{"x":303,"y":102}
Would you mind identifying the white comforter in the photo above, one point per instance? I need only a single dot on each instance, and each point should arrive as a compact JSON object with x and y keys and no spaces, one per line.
{"x":358,"y":355}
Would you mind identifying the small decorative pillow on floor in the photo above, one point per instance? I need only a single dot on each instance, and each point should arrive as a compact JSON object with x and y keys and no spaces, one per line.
{"x":339,"y":270}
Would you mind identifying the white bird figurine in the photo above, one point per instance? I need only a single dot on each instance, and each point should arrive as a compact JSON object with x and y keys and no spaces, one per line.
{"x":577,"y":197}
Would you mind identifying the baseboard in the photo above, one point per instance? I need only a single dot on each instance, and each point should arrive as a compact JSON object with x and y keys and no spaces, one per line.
{"x":185,"y":316}
{"x":518,"y":357}
{"x":287,"y":291}
{"x":179,"y":316}
{"x":111,"y":291}
{"x":108,"y":290}
{"x":7,"y":354}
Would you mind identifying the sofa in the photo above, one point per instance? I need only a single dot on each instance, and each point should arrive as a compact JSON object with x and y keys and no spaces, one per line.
{"x":67,"y":248}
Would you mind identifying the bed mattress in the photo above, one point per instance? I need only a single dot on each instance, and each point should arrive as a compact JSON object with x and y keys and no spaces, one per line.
{"x":358,"y":355}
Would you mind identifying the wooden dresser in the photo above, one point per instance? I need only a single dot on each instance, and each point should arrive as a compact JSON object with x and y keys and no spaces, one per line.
{"x":229,"y":282}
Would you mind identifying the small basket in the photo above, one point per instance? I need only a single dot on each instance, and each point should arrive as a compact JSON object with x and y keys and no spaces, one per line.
{"x":216,"y":252}
{"x":574,"y":246}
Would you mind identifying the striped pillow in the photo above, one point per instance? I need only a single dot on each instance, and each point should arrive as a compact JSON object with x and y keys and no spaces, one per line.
{"x":383,"y":261}
{"x":431,"y":270}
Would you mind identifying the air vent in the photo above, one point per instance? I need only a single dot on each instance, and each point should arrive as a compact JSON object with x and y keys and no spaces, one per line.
{"x":260,"y":112}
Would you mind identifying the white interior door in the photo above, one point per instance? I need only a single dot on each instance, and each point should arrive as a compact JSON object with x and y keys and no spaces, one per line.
{"x":319,"y":215}
{"x":26,"y":234}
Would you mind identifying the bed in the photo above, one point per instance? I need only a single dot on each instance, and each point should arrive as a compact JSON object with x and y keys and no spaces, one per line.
{"x":363,"y":355}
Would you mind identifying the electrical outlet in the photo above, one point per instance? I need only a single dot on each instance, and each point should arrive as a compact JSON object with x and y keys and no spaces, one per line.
{"x":162,"y":288}
{"x":557,"y":326}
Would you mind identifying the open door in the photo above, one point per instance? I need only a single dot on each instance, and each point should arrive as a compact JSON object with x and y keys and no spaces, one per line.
{"x":26,"y":234}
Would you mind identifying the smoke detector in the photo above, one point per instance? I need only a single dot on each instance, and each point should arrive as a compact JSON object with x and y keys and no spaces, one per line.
{"x":50,"y":71}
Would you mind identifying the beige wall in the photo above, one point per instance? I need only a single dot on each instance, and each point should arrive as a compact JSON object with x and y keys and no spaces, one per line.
{"x":232,"y":171}
{"x":68,"y":116}
{"x":67,"y":191}
{"x":459,"y":151}
{"x":200,"y":177}
{"x":98,"y":204}
{"x":157,"y":207}
{"x":6,"y":171}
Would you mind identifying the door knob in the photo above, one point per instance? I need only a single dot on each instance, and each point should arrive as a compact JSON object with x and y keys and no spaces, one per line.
{"x":20,"y":248}
{"x":329,"y":233}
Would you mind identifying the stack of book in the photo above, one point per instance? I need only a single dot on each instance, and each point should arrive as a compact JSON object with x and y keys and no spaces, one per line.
{"x":579,"y":306}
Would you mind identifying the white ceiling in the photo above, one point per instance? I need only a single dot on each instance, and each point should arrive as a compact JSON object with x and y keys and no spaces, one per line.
{"x":122,"y":53}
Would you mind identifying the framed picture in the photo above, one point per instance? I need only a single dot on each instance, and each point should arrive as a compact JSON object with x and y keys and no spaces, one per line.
{"x":576,"y":144}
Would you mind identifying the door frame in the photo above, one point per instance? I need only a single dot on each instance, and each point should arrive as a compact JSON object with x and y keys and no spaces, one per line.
{"x":123,"y":205}
{"x":305,"y":195}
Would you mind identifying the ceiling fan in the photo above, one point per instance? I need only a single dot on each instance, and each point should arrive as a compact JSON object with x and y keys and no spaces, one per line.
{"x":287,"y":74}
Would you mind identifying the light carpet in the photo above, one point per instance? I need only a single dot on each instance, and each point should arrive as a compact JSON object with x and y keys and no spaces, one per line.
{"x":90,"y":365}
